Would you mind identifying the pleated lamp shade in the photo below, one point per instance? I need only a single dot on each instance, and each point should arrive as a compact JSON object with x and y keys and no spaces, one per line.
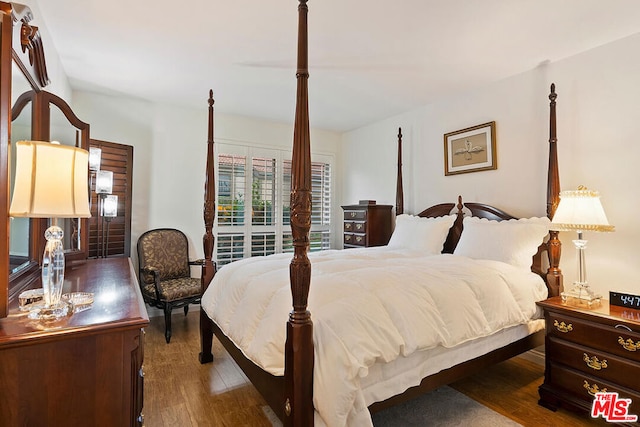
{"x":580,"y":210}
{"x":51,"y":181}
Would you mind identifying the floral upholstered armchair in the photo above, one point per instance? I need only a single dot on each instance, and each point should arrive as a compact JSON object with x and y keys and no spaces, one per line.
{"x":165,"y":272}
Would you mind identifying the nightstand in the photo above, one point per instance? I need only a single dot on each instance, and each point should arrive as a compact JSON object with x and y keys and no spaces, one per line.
{"x":366,"y":224}
{"x":590,"y":350}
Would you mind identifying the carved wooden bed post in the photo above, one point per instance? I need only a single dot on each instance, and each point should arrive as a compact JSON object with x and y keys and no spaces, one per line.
{"x":399,"y":190}
{"x":298,"y":365}
{"x":554,"y":246}
{"x":208,"y":266}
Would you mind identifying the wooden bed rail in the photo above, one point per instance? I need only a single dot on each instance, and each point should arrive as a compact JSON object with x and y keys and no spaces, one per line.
{"x":209,"y":269}
{"x":298,"y":356}
{"x":554,"y":246}
{"x":399,"y":185}
{"x":208,"y":240}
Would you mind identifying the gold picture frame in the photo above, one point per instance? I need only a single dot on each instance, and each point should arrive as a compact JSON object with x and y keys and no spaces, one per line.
{"x":470,"y":150}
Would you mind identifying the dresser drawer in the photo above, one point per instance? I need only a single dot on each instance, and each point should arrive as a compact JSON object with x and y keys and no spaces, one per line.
{"x":584,"y":387}
{"x":355,"y":239}
{"x":615,"y":340}
{"x":355,"y":227}
{"x":354,"y":215}
{"x":593,"y":362}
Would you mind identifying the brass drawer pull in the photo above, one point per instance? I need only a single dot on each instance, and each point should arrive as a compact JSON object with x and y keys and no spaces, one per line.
{"x":347,"y":237}
{"x":594,"y":363}
{"x":353,"y":214}
{"x":347,"y":226}
{"x":358,"y":239}
{"x":593,"y":389}
{"x":359,"y":226}
{"x":628,"y":345}
{"x":563,"y":327}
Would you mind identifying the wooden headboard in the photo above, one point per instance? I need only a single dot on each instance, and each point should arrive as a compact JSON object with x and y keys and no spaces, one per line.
{"x":547,"y":260}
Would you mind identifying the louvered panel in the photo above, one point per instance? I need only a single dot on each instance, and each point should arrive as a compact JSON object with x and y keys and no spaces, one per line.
{"x":117,"y":158}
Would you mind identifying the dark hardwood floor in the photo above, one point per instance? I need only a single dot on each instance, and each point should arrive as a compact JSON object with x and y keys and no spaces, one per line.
{"x":179,"y":391}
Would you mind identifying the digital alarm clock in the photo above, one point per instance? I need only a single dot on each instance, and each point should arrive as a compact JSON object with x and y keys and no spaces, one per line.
{"x":624,"y":300}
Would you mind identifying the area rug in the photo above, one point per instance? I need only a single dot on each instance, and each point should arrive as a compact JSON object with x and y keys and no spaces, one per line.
{"x":443,"y":407}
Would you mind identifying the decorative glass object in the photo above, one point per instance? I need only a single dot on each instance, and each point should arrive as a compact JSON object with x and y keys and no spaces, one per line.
{"x":79,"y":301}
{"x":27,"y":300}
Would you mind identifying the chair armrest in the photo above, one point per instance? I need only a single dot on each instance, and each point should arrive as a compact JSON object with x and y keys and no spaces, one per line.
{"x":156,"y":280}
{"x":151,"y":270}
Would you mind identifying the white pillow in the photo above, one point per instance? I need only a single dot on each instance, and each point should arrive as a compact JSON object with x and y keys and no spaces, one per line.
{"x":514,"y":242}
{"x":425,"y":234}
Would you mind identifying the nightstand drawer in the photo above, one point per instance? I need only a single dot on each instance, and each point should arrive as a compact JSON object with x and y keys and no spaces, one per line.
{"x":355,"y":215}
{"x":616,"y":340}
{"x":592,"y":362}
{"x":353,"y":226}
{"x":584,"y":386}
{"x":355,"y":239}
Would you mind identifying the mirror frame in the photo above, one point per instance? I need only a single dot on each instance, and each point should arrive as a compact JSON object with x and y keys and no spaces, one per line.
{"x":20,"y":43}
{"x":41,"y":102}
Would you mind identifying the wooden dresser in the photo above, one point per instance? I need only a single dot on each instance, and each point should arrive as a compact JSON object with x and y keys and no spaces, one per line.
{"x":366,"y":224}
{"x":590,"y":350}
{"x":82,"y":370}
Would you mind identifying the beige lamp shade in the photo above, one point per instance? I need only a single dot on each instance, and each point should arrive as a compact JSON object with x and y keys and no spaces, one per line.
{"x":580,"y":210}
{"x":50,"y":181}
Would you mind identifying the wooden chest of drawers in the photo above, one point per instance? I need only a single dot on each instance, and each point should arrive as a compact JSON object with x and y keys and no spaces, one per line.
{"x":590,"y":350}
{"x":82,"y":370}
{"x":366,"y":224}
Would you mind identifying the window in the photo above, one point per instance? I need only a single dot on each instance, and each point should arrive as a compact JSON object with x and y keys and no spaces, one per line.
{"x":320,"y":234}
{"x":231,"y":189}
{"x":263,"y":228}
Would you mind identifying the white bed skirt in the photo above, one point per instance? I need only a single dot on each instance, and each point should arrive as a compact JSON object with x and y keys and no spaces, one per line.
{"x":389,"y":379}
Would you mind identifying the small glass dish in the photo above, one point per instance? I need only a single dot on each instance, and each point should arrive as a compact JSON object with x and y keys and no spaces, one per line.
{"x":55,"y":312}
{"x":28,"y":300}
{"x":79,"y":298}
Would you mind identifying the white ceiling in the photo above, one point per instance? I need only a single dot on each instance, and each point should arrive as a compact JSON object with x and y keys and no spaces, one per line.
{"x":368,"y":60}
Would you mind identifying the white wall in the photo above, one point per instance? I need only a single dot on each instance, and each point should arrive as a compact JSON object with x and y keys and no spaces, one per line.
{"x":597,"y":111}
{"x":59,"y":83}
{"x":169,"y":156}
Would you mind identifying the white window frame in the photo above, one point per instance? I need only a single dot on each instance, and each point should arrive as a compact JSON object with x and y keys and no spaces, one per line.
{"x":247,"y":229}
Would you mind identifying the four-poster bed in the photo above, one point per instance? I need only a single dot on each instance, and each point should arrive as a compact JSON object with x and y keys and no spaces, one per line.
{"x":289,"y":388}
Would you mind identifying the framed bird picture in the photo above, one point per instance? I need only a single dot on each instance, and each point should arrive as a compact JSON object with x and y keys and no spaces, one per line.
{"x":470,"y":150}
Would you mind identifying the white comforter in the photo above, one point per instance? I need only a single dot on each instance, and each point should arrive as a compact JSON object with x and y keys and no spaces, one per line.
{"x":368,"y":306}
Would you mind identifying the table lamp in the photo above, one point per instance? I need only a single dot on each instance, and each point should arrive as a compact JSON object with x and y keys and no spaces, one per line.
{"x":50,"y":182}
{"x":580,"y":210}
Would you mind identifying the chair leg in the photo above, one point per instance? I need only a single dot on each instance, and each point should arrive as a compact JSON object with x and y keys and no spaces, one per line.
{"x":167,"y":322}
{"x":186,"y":309}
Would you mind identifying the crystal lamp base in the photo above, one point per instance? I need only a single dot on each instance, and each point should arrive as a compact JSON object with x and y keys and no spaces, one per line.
{"x":581,"y":293}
